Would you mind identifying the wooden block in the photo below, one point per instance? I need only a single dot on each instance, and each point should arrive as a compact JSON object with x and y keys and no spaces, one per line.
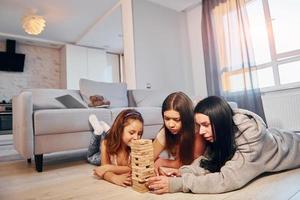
{"x":140,"y":150}
{"x":142,"y":163}
{"x":139,"y":170}
{"x":139,"y":186}
{"x":143,"y":176}
{"x":142,"y":159}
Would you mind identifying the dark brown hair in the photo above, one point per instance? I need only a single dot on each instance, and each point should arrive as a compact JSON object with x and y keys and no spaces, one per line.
{"x":181,"y":103}
{"x":223,"y":147}
{"x":114,"y":136}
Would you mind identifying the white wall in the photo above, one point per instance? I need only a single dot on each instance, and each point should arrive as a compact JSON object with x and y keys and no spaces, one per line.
{"x":162,"y":56}
{"x":82,"y":62}
{"x":41,"y":70}
{"x":97,"y":66}
{"x":113,"y":62}
{"x":74,"y":59}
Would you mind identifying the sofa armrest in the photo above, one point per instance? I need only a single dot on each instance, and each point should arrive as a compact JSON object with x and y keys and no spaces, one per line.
{"x":22,"y":124}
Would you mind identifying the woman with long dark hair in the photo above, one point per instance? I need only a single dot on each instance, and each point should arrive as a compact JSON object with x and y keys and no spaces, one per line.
{"x":177,"y":136}
{"x":240,"y":147}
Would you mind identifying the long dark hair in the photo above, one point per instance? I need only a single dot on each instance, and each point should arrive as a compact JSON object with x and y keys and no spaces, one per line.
{"x":114,"y":136}
{"x":223,"y":128}
{"x":181,"y":103}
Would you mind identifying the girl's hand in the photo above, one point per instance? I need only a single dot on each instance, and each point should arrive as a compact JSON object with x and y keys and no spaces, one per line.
{"x":174,"y":173}
{"x":122,"y":179}
{"x":158,"y":184}
{"x":157,"y":164}
{"x":171,"y":172}
{"x":101,"y":170}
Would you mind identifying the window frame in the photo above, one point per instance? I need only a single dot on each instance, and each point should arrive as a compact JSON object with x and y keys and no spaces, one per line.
{"x":276,"y":58}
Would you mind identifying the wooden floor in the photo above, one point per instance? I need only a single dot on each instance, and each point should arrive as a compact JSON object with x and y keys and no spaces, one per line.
{"x":68,"y":176}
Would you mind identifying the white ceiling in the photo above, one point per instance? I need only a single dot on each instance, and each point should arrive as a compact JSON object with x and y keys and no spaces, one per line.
{"x":178,"y":5}
{"x":77,"y":22}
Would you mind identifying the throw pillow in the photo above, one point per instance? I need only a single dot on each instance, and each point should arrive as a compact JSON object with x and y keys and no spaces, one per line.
{"x":116,"y":93}
{"x":152,"y":98}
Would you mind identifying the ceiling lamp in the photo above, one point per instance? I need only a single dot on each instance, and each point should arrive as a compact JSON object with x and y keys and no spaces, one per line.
{"x":33,"y":24}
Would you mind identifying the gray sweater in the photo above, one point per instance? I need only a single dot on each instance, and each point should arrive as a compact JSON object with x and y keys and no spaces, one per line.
{"x":259,"y":150}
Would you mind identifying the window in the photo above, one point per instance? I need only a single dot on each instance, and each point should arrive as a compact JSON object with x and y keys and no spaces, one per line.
{"x":285,"y":19}
{"x":289,"y":72}
{"x":275,"y":32}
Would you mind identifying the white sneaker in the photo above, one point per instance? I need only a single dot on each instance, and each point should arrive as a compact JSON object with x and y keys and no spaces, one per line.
{"x":104,"y":125}
{"x":98,"y":129}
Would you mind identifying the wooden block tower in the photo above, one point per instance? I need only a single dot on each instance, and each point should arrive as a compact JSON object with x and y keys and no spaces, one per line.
{"x":142,"y":163}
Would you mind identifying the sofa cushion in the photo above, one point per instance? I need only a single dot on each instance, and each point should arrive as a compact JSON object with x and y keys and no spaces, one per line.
{"x":45,"y":98}
{"x":62,"y":121}
{"x":149,"y":98}
{"x":151,"y":115}
{"x":116,"y":93}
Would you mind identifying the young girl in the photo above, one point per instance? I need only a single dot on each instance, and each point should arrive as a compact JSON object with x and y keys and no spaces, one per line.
{"x":177,"y":135}
{"x":240,"y":148}
{"x":115,"y":151}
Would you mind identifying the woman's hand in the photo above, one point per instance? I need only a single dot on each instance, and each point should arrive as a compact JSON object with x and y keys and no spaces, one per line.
{"x":101,"y":170}
{"x":122,"y":179}
{"x":158,"y":184}
{"x":160,"y":162}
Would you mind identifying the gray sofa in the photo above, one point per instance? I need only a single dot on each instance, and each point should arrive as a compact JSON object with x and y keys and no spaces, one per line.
{"x":42,"y":125}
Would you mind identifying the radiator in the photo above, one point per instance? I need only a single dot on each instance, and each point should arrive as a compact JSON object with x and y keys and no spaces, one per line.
{"x":282,"y":109}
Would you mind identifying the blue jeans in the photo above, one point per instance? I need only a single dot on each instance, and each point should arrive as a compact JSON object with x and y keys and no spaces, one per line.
{"x":94,"y":150}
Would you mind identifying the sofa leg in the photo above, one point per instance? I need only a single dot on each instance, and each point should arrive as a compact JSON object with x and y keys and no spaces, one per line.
{"x":38,"y":162}
{"x":29,"y":160}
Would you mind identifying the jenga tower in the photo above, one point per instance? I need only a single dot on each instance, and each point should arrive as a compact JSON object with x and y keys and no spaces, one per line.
{"x":142,"y":163}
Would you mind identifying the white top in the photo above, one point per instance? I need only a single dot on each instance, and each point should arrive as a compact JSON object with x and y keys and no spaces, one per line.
{"x":161,"y":137}
{"x":113,"y":159}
